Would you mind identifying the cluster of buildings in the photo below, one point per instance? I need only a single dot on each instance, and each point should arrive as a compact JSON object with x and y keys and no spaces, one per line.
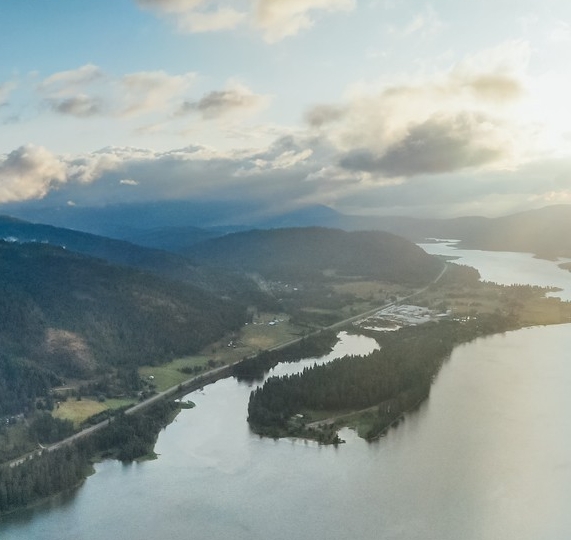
{"x":396,"y":316}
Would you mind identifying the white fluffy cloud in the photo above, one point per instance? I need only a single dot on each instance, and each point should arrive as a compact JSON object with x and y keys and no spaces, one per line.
{"x":276,"y":19}
{"x":223,"y":18}
{"x":65,"y":83}
{"x":197,"y":15}
{"x":281,"y":18}
{"x":90,"y":167}
{"x":29,"y":172}
{"x":466,"y":117}
{"x":32,"y":172}
{"x":152,"y":90}
{"x":73,"y":92}
{"x":295,"y":169}
{"x":87,"y":91}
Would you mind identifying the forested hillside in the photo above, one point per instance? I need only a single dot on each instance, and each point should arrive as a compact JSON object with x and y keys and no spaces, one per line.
{"x":66,"y":315}
{"x":162,"y":263}
{"x":305,"y":254}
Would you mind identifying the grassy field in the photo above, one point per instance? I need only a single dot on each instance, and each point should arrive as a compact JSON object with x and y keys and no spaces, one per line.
{"x":14,"y":441}
{"x":254,"y":337}
{"x":546,"y":311}
{"x":78,"y":411}
{"x":168,"y":375}
{"x":529,"y":305}
{"x":373,"y":291}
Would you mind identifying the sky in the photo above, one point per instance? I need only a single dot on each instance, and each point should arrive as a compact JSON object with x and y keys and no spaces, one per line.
{"x":435,"y":109}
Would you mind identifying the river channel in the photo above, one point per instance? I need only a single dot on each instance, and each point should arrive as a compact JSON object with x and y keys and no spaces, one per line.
{"x":486,"y":457}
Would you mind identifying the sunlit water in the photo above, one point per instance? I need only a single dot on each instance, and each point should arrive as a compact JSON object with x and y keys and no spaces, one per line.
{"x":487,"y":457}
{"x":508,"y":268}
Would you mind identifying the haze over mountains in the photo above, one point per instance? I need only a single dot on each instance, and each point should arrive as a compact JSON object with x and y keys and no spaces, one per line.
{"x":104,"y":302}
{"x":74,"y":304}
{"x":178,"y":225}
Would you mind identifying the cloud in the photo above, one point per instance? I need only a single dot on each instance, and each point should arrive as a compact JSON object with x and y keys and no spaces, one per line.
{"x":70,"y":92}
{"x":285,"y":153}
{"x":295,"y":169}
{"x":424,"y":24}
{"x":29,"y":172}
{"x":561,"y":32}
{"x":86,"y":168}
{"x":495,"y":87}
{"x":439,"y":145}
{"x":32,"y":172}
{"x":236,"y":98}
{"x":87,"y":92}
{"x":466,"y":117}
{"x":149,"y":91}
{"x":5,"y":91}
{"x":320,"y":115}
{"x":195,"y":171}
{"x":65,"y":83}
{"x":171,"y":6}
{"x":276,"y":19}
{"x":80,"y":105}
{"x":211,"y":21}
{"x":281,"y":18}
{"x":196,"y":15}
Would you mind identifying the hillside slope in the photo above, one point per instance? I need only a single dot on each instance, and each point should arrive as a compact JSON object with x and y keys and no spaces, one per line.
{"x":312,"y":253}
{"x":67,"y":315}
{"x":162,"y":263}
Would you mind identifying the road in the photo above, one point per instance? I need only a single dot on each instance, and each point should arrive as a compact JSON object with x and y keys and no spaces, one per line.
{"x":213,"y":375}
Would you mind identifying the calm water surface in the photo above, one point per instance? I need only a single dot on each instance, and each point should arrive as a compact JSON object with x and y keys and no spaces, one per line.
{"x":487,"y":457}
{"x":508,"y":268}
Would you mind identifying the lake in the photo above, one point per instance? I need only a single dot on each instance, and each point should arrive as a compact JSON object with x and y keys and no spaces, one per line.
{"x":508,"y":268}
{"x":488,"y":456}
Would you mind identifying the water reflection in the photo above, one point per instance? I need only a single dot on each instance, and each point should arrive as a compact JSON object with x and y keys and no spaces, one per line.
{"x":508,"y":268}
{"x":486,"y":457}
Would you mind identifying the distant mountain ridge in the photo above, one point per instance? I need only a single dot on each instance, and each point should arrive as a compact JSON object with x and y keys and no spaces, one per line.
{"x":307,"y":253}
{"x":156,"y":261}
{"x":178,"y":225}
{"x":543,"y":232}
{"x":126,"y":221}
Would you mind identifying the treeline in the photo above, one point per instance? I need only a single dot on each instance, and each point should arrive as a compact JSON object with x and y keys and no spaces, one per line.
{"x":41,"y":477}
{"x":254,"y":369}
{"x":393,"y":378}
{"x":127,"y":437}
{"x":21,"y":382}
